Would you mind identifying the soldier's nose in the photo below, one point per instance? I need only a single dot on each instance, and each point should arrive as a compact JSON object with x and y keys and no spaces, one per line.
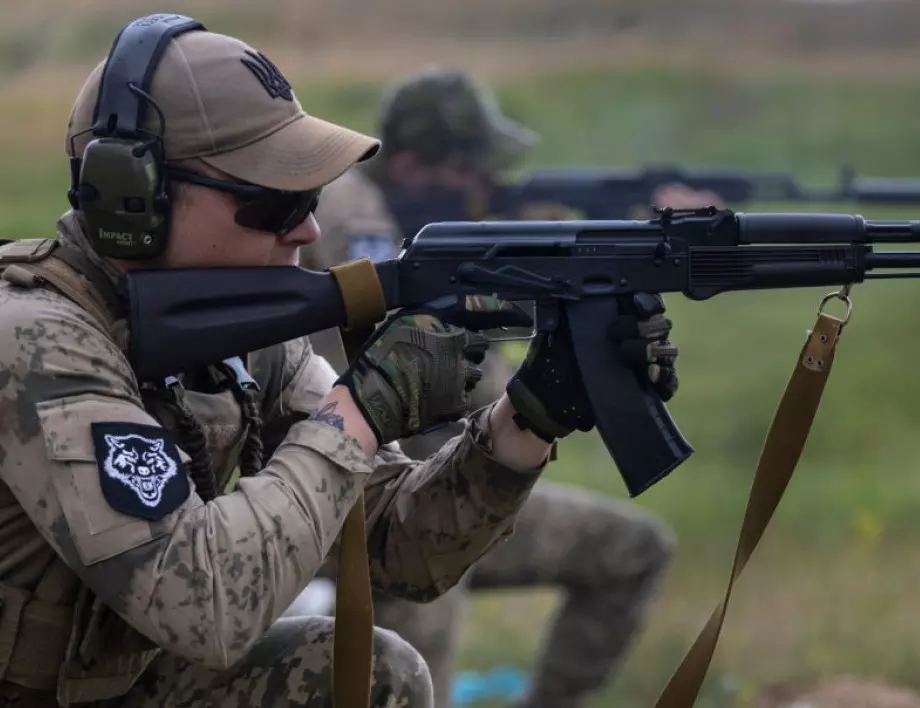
{"x":306,"y":232}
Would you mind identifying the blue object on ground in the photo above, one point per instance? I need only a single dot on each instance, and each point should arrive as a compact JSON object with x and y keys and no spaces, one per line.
{"x":502,"y":683}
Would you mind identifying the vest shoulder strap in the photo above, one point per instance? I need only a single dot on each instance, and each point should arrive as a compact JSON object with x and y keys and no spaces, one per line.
{"x":27,"y":250}
{"x":34,"y":263}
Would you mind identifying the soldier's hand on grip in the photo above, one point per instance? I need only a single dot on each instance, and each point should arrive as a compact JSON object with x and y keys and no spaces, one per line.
{"x":642,"y":333}
{"x":547,"y":391}
{"x":417,"y":370}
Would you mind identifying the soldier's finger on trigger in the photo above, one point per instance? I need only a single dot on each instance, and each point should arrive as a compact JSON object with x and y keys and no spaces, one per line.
{"x":662,"y":352}
{"x":476,"y":347}
{"x":473,"y":377}
{"x":657,"y":327}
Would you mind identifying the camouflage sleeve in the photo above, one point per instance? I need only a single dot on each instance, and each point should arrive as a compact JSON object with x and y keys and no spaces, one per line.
{"x":428,"y":521}
{"x":103,"y":484}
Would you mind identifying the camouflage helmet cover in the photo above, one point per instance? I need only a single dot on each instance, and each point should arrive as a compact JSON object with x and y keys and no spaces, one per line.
{"x":444,"y":114}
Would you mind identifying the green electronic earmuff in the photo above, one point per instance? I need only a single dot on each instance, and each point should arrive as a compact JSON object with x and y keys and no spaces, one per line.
{"x":119,"y":183}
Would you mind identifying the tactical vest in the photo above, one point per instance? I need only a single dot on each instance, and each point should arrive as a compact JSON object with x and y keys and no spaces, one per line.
{"x":59,"y":644}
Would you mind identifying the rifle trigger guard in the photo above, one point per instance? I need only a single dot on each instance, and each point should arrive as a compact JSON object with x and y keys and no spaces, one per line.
{"x":844,"y":296}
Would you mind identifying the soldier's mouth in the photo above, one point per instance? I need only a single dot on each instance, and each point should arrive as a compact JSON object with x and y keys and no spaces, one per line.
{"x":148,"y":488}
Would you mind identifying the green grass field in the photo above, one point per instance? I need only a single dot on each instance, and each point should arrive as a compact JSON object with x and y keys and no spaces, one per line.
{"x":833,"y":588}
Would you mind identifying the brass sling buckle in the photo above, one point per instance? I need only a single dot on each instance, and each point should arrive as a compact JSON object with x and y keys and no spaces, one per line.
{"x":844,"y":296}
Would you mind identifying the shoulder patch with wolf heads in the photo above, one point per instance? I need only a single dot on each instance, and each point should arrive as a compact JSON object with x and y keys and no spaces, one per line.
{"x":140,"y":470}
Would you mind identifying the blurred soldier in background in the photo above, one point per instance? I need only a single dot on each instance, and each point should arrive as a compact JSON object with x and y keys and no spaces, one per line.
{"x":441,"y":130}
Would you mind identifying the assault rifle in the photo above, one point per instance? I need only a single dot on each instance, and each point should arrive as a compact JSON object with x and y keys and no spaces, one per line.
{"x":602,"y":193}
{"x":584,"y":271}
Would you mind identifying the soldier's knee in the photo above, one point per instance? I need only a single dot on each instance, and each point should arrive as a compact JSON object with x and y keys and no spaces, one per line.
{"x":640,"y":548}
{"x":658,"y":543}
{"x":401,"y":676}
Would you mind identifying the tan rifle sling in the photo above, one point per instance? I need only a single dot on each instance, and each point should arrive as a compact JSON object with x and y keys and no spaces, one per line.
{"x":352,"y":652}
{"x":781,"y":451}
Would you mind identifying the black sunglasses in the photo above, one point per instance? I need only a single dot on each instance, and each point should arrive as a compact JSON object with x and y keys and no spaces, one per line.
{"x":263,"y":208}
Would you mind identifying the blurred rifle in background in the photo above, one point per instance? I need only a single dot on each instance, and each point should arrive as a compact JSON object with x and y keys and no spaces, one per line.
{"x":599,"y":193}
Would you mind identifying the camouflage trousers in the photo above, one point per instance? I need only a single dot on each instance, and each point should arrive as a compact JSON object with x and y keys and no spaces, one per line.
{"x":289,"y":666}
{"x":606,"y":556}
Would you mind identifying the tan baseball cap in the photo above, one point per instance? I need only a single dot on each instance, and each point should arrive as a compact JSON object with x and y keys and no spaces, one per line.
{"x":228,"y":105}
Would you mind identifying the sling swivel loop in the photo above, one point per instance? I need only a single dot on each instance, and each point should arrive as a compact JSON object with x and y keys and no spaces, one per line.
{"x":844,"y":296}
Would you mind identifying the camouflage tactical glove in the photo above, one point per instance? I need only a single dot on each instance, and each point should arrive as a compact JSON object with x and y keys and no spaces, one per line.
{"x":547,"y":392}
{"x":418,"y":369}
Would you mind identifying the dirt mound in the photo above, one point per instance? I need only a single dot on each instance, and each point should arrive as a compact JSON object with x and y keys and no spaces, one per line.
{"x":843,"y":692}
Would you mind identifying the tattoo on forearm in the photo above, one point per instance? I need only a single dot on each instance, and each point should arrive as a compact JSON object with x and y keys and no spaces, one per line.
{"x":327,"y":415}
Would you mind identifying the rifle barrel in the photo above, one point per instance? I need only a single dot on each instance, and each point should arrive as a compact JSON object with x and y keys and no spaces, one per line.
{"x":893,"y":231}
{"x":893,"y":259}
{"x":823,"y":228}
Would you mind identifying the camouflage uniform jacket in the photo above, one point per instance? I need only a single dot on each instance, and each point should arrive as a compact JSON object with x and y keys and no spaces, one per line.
{"x":201,"y":580}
